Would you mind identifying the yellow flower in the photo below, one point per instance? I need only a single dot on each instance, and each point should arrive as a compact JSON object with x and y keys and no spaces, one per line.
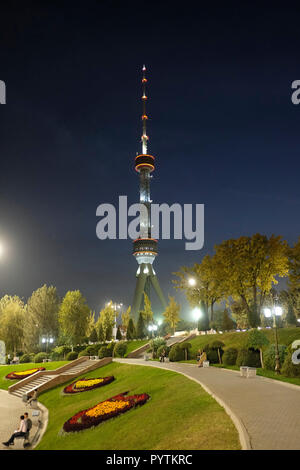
{"x":87,"y":383}
{"x":23,"y":372}
{"x":107,"y":407}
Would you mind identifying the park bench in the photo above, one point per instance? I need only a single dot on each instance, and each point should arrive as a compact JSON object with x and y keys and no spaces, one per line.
{"x":247,"y":372}
{"x":46,"y":360}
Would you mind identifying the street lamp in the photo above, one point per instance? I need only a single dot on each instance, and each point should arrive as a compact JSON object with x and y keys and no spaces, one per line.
{"x":275,"y":311}
{"x":196,"y":312}
{"x":46,"y":340}
{"x":116,"y":307}
{"x":152,"y":328}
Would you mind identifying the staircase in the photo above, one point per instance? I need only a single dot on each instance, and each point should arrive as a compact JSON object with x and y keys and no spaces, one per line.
{"x":44,"y":380}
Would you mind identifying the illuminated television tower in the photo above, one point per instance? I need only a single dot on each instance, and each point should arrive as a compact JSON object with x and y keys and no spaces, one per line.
{"x":145,"y":247}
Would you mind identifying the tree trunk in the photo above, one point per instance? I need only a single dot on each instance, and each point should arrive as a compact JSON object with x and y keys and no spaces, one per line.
{"x":212,"y":312}
{"x":219,"y":356}
{"x":261,"y":358}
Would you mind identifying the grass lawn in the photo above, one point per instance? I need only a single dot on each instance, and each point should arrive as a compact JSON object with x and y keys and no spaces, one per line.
{"x":239,"y":339}
{"x":179,"y":415}
{"x":4,"y":370}
{"x":265,"y":373}
{"x":133,"y":345}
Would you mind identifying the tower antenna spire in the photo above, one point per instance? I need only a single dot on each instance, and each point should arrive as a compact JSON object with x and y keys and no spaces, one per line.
{"x":144,"y":116}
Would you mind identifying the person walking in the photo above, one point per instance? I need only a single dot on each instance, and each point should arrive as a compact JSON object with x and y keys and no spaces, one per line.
{"x":21,"y":432}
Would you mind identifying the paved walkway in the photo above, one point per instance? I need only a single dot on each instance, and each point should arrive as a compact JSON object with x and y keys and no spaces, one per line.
{"x":266,"y":412}
{"x":11,"y":408}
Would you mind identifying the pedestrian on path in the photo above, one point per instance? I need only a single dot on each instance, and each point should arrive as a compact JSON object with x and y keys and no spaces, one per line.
{"x":21,"y":432}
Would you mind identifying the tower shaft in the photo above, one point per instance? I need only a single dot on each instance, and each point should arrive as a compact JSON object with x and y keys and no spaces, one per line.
{"x":145,"y":247}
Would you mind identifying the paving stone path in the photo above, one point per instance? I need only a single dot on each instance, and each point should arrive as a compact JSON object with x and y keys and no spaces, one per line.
{"x":266,"y":412}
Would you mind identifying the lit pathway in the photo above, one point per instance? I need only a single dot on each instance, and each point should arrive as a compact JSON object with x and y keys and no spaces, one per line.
{"x":266,"y":412}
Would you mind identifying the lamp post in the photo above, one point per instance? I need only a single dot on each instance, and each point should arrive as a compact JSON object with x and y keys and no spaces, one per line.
{"x":116,"y":307}
{"x":46,"y":340}
{"x":197,"y":314}
{"x":275,"y":311}
{"x":152,"y":328}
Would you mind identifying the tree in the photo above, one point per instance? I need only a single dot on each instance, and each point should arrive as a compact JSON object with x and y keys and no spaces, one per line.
{"x":171,"y":314}
{"x":130,"y":332}
{"x":126,"y":317}
{"x":227,"y":322}
{"x":207,"y":288}
{"x":256,"y":340}
{"x":240,"y":314}
{"x":290,"y":318}
{"x":12,"y":321}
{"x":141,"y":329}
{"x":107,"y":320}
{"x":119,"y":335}
{"x":101,"y":335}
{"x":185,"y":347}
{"x":147,"y":312}
{"x":74,"y":317}
{"x":203,"y":322}
{"x":294,"y":267}
{"x":42,"y":316}
{"x":218,"y":345}
{"x":248,"y":267}
{"x":93,"y":338}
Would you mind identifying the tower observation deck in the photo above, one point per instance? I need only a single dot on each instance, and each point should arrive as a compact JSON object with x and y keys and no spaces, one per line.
{"x":145,"y":248}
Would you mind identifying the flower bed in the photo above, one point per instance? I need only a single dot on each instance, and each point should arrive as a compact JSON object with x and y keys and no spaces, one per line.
{"x":84,"y":385}
{"x":23,"y":374}
{"x":104,"y":410}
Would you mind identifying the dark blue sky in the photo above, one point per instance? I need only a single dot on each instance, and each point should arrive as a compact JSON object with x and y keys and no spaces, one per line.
{"x":222,"y":127}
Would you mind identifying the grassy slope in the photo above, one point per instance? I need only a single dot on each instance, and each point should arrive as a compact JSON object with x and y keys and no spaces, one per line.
{"x":4,"y":370}
{"x":239,"y":339}
{"x":179,"y":415}
{"x":132,"y":345}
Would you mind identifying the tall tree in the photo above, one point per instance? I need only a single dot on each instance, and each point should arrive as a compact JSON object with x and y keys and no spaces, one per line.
{"x":227,"y":322}
{"x":74,"y":316}
{"x":203,"y":322}
{"x":42,"y":316}
{"x":126,"y":317}
{"x":171,"y":314}
{"x":248,"y":267}
{"x":141,"y":328}
{"x":107,"y":320}
{"x":12,"y":321}
{"x":294,"y":267}
{"x":130,"y":332}
{"x":147,"y":312}
{"x":207,"y":287}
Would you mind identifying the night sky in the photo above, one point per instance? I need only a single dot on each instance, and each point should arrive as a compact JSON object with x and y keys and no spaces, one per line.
{"x":222,"y":127}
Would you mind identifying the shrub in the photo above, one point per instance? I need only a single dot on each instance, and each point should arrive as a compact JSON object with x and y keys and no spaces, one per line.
{"x":248,"y":357}
{"x":160,"y":349}
{"x":120,"y":349}
{"x":77,"y":348}
{"x":212,"y":356}
{"x":218,"y":346}
{"x":60,"y":352}
{"x":104,"y":352}
{"x":176,"y":353}
{"x":25,"y":358}
{"x":230,"y":356}
{"x":82,"y":353}
{"x":40,"y":356}
{"x":155,"y":344}
{"x":185,"y":347}
{"x":289,"y":369}
{"x":72,"y":355}
{"x":269,"y":356}
{"x":110,"y":348}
